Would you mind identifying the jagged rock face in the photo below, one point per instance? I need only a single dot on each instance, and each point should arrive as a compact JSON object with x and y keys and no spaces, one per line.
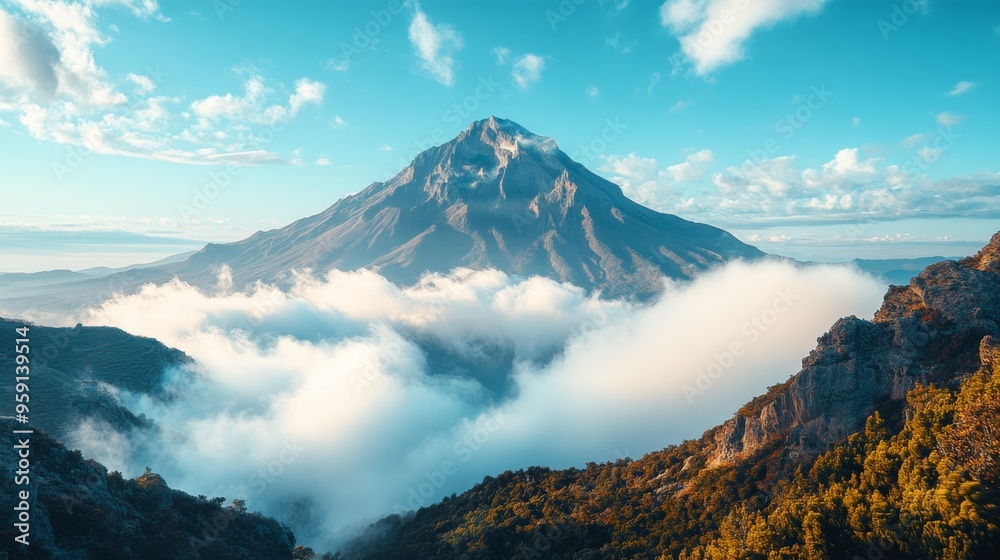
{"x":496,"y":196}
{"x":933,"y":330}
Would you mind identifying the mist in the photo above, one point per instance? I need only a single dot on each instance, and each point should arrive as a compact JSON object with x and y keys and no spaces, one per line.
{"x":329,"y":404}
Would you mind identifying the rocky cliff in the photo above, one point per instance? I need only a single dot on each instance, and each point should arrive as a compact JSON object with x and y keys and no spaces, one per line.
{"x":924,"y":332}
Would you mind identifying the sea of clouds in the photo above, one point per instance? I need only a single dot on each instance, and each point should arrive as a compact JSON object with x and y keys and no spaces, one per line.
{"x":345,"y":397}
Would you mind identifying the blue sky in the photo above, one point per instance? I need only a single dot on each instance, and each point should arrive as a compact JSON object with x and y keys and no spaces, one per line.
{"x":821,"y":129}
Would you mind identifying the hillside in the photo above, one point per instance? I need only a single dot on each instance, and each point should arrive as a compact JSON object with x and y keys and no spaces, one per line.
{"x":78,"y":371}
{"x":885,"y":443}
{"x":80,"y":510}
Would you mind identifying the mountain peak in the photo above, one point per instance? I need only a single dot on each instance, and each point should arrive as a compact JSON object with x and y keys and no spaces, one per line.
{"x":507,"y":138}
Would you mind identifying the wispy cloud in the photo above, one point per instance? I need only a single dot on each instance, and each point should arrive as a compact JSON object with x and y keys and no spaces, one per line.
{"x":434,"y":46}
{"x":680,"y":105}
{"x":654,"y":79}
{"x":948,"y":119}
{"x":962,"y":87}
{"x":502,"y":54}
{"x":527,"y":71}
{"x":712,"y":33}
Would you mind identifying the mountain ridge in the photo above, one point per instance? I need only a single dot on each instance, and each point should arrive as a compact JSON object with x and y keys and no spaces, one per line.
{"x":882,"y":442}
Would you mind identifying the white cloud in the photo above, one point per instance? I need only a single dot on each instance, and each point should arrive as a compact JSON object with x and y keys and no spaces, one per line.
{"x":527,"y":70}
{"x":914,"y":140}
{"x":653,"y":80}
{"x":847,"y":163}
{"x":615,"y":42}
{"x":337,"y":366}
{"x":642,"y":180}
{"x":712,"y":32}
{"x":50,"y":80}
{"x":848,"y":189}
{"x":435,"y":46}
{"x":947,"y":119}
{"x":341,"y":64}
{"x":962,"y":87}
{"x":502,"y":54}
{"x":306,"y":91}
{"x":336,"y":122}
{"x":143,"y":84}
{"x":929,"y":154}
{"x":323,"y":161}
{"x":592,"y":91}
{"x":679,"y":106}
{"x":386,"y":148}
{"x":252,"y":107}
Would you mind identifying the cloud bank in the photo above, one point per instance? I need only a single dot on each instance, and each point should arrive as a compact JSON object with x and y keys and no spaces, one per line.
{"x":325,"y":405}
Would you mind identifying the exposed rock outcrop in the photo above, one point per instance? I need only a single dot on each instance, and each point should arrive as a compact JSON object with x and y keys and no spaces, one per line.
{"x":939,"y":325}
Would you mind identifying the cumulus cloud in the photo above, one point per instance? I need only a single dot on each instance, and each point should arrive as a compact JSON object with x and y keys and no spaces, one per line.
{"x":712,"y":32}
{"x":527,"y":71}
{"x":642,"y":180}
{"x":328,"y":404}
{"x":251,"y":107}
{"x":434,"y":46}
{"x":51,"y":80}
{"x":849,"y":188}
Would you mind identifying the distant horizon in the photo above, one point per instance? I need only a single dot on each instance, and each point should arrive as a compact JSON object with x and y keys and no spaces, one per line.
{"x":806,"y":129}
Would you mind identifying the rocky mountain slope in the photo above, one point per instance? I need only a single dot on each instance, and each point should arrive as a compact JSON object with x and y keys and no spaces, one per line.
{"x":923,"y":333}
{"x":884,"y":445}
{"x":496,"y":196}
